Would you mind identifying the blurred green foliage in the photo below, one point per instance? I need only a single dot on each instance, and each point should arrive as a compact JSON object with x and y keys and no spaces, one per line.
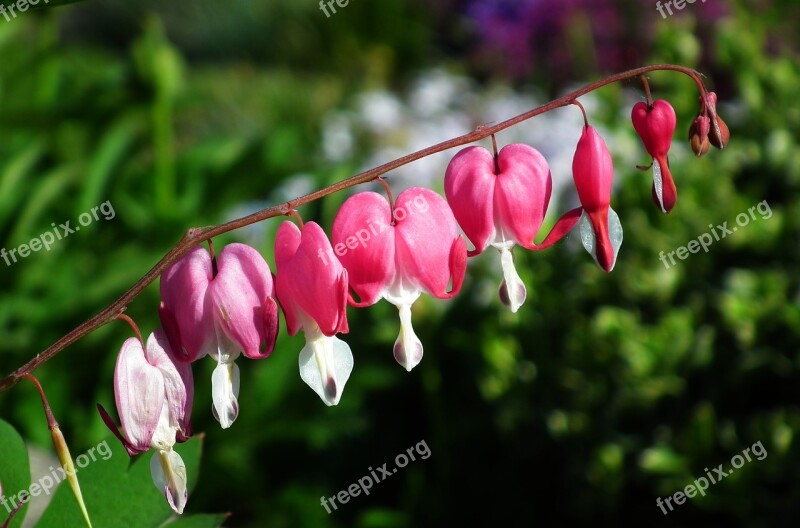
{"x":601,"y":394}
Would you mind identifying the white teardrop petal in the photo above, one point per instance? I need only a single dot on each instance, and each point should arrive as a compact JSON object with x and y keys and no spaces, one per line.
{"x":224,"y":393}
{"x":658,"y":185}
{"x":169,"y":475}
{"x":587,"y":234}
{"x":407,"y":348}
{"x":588,"y":237}
{"x":325,"y":365}
{"x":614,"y":233}
{"x":512,"y":290}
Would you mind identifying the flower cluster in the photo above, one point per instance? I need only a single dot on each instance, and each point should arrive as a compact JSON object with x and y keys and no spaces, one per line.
{"x":228,"y":305}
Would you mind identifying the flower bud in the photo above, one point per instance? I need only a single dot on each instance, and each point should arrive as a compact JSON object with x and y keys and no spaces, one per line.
{"x":698,"y":135}
{"x":718,"y":135}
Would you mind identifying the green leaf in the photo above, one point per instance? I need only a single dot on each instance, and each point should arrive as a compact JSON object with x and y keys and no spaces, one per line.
{"x":15,"y":475}
{"x":117,"y":492}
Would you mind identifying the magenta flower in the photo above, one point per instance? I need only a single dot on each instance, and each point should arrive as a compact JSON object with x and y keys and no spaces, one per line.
{"x":398,"y":253}
{"x":154,"y":394}
{"x":655,"y":125}
{"x":222,"y":307}
{"x":312,"y":289}
{"x":503,"y":203}
{"x":593,"y":172}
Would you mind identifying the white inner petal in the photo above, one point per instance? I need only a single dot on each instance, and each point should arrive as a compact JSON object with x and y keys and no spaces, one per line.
{"x":512,"y":290}
{"x":169,"y":476}
{"x":164,"y":435}
{"x":658,"y":184}
{"x":224,"y":392}
{"x":408,"y":348}
{"x":614,"y":233}
{"x":325,"y":364}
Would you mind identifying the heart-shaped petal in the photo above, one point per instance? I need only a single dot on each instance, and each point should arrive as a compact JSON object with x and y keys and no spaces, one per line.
{"x":469,"y":184}
{"x":184,"y":312}
{"x":522,"y":192}
{"x":427,"y":237}
{"x":593,"y":171}
{"x":364,"y":241}
{"x":241,"y":298}
{"x":310,"y":280}
{"x":139,"y":393}
{"x":655,"y":125}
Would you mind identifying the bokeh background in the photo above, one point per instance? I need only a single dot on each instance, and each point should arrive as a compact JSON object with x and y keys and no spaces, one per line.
{"x":603,"y":393}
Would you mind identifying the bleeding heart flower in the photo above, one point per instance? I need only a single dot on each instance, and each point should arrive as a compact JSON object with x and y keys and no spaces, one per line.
{"x":655,"y":125}
{"x":312,"y":289}
{"x":221,"y":307}
{"x":398,"y":253}
{"x":593,"y":172}
{"x":154,"y":393}
{"x":502,"y":202}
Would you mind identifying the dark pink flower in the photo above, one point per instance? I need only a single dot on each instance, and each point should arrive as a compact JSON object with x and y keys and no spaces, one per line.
{"x":655,"y":125}
{"x":503,"y":203}
{"x":312,"y":288}
{"x":222,"y":308}
{"x":593,"y":172}
{"x":398,"y":253}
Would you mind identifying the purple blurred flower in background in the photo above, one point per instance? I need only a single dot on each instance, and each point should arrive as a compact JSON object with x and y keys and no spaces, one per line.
{"x":567,"y":37}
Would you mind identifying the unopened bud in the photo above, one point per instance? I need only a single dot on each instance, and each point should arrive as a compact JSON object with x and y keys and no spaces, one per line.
{"x":719,"y":134}
{"x":698,"y":135}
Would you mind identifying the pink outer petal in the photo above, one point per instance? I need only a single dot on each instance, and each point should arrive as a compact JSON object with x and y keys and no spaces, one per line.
{"x":561,"y":228}
{"x":178,"y":381}
{"x":593,"y":171}
{"x":604,"y":249}
{"x":364,"y":241}
{"x":185,"y":313}
{"x":469,"y":184}
{"x":655,"y":126}
{"x":310,"y":279}
{"x":139,"y":391}
{"x":669,"y":193}
{"x":242,"y":300}
{"x":185,"y":418}
{"x":287,"y":241}
{"x":428,"y":252}
{"x":522,"y":192}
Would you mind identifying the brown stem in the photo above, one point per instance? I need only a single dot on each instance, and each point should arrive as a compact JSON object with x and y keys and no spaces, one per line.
{"x":388,"y":197}
{"x":583,"y":111}
{"x":198,"y":235}
{"x":134,"y":326}
{"x":294,"y":214}
{"x":647,"y":95}
{"x":51,"y":420}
